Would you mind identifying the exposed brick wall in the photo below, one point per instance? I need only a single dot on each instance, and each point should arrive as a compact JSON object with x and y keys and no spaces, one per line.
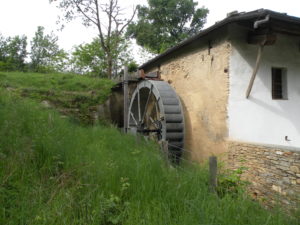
{"x":274,"y":172}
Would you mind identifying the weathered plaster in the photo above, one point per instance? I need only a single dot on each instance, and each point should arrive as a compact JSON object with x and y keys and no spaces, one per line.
{"x":200,"y":78}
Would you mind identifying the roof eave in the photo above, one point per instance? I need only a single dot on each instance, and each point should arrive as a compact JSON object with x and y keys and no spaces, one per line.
{"x":226,"y":21}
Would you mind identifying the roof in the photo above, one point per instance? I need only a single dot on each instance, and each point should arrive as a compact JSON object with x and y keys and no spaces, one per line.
{"x":281,"y":23}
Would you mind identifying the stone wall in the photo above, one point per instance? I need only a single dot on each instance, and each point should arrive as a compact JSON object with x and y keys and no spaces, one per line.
{"x":274,"y":172}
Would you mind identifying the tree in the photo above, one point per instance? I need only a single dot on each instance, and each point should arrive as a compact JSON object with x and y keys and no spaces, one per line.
{"x":46,"y":55}
{"x":13,"y":53}
{"x":90,"y":58}
{"x":3,"y":43}
{"x":110,"y":29}
{"x":165,"y":23}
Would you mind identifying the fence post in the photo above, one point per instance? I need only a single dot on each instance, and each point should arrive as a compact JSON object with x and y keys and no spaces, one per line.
{"x":165,"y":149}
{"x":125,"y":93}
{"x":213,"y":167}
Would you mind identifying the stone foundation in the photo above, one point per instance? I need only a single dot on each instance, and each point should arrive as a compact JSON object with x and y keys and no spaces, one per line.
{"x":274,"y":172}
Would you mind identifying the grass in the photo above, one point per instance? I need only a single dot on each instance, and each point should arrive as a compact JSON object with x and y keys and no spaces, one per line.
{"x":72,"y":95}
{"x":53,"y":171}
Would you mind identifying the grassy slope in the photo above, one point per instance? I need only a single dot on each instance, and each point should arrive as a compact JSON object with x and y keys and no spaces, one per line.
{"x":71,"y":94}
{"x":53,"y":171}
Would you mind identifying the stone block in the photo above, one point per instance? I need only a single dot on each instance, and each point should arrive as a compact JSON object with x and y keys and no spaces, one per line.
{"x":290,"y":192}
{"x":275,"y":162}
{"x":294,"y":169}
{"x":276,"y":188}
{"x":293,"y":182}
{"x":286,"y":180}
{"x":269,"y":181}
{"x":288,"y":153}
{"x":285,"y":164}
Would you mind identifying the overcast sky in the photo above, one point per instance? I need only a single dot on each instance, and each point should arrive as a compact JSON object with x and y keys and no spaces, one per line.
{"x":19,"y":17}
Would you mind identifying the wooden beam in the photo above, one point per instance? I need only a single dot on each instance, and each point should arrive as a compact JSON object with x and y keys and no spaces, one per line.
{"x":141,"y":74}
{"x":213,"y":171}
{"x":258,"y":60}
{"x":126,"y":98}
{"x":154,"y":74}
{"x":259,"y":39}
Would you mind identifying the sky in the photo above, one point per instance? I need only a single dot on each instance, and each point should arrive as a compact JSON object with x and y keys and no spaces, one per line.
{"x":19,"y":17}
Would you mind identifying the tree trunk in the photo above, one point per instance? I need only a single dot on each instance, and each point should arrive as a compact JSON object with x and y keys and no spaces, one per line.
{"x":109,"y":66}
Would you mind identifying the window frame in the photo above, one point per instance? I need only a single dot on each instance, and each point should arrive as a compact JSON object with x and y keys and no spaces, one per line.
{"x":279,"y":83}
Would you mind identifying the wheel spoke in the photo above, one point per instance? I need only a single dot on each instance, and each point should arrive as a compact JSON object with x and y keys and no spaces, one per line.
{"x":146,"y":105}
{"x":153,"y":122}
{"x":131,"y":114}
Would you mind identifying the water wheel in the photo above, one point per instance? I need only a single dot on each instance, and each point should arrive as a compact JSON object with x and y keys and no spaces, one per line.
{"x":155,"y":112}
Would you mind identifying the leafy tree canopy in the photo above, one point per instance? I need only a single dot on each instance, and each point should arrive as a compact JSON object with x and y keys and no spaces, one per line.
{"x":46,"y":55}
{"x":13,"y":52}
{"x":164,"y":23}
{"x":90,"y":58}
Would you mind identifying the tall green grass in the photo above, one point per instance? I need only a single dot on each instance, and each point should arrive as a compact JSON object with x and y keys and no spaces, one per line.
{"x":54,"y":82}
{"x":56,"y":172}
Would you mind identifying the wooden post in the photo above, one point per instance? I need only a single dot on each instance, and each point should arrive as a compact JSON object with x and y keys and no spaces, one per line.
{"x":213,"y":165}
{"x":258,"y":60}
{"x":125,"y":93}
{"x":165,"y":150}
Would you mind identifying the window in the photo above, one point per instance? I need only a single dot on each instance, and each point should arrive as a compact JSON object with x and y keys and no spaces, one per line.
{"x":279,"y":83}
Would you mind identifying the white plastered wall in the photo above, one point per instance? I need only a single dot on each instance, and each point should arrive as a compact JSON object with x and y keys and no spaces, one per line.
{"x":260,"y":119}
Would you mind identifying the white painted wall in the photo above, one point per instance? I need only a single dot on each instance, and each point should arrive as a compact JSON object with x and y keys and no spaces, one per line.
{"x":260,"y":119}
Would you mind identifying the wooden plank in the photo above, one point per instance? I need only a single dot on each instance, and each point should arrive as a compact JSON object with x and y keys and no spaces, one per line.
{"x":213,"y":170}
{"x":258,"y":59}
{"x":154,"y":74}
{"x":142,"y":74}
{"x":165,"y":150}
{"x":126,"y":97}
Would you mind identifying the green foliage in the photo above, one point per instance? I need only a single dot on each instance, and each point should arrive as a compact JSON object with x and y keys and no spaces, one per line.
{"x":13,"y":53}
{"x":230,"y":181}
{"x":132,"y":67}
{"x":46,"y":56}
{"x":91,"y":59}
{"x":73,"y":95}
{"x":56,"y":172}
{"x":165,"y":23}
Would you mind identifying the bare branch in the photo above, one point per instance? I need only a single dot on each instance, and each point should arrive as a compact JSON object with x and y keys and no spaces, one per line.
{"x":83,"y":13}
{"x":107,"y":17}
{"x":129,"y":21}
{"x":98,"y":24}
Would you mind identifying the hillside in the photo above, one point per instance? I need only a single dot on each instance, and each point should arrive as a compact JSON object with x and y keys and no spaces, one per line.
{"x":55,"y":171}
{"x":72,"y":95}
